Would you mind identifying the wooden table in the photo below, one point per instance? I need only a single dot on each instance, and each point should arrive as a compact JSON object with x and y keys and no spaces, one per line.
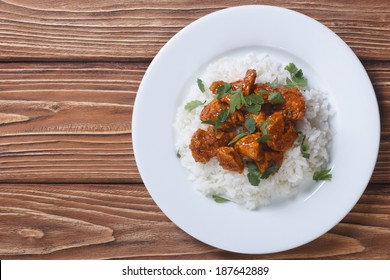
{"x":69,"y":74}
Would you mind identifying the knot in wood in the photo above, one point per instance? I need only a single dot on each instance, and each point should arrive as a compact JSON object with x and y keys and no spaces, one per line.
{"x":54,"y":107}
{"x":31,"y":233}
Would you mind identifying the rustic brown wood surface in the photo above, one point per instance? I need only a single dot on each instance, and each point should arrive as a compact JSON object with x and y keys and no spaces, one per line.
{"x":69,"y":185}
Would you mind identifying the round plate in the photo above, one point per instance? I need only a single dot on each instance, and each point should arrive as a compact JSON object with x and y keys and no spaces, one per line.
{"x":327,"y":62}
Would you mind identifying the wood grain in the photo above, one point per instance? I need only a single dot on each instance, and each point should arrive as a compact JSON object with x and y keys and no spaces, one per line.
{"x":36,"y":232}
{"x":136,"y":30}
{"x":71,"y":122}
{"x":69,"y":74}
{"x":140,"y":230}
{"x":67,"y":122}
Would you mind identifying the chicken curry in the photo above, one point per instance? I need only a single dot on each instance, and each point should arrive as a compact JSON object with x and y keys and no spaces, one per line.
{"x":248,"y":122}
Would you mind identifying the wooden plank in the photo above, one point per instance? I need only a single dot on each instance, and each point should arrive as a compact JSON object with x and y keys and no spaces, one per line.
{"x":136,"y":30}
{"x":379,"y":74}
{"x":71,"y":122}
{"x":132,"y":225}
{"x":67,"y":122}
{"x":36,"y":232}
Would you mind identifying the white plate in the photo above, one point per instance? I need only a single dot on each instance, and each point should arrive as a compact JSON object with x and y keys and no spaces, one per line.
{"x":328,"y":63}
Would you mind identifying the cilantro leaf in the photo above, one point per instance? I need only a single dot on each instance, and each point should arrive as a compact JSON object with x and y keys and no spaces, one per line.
{"x":269,"y":171}
{"x":223,"y":90}
{"x":253,"y":173}
{"x":200,"y":85}
{"x":289,"y":83}
{"x":274,"y":83}
{"x":221,"y":118}
{"x":304,"y":148}
{"x":250,"y":124}
{"x":299,"y":74}
{"x":209,"y":122}
{"x":263,"y":91}
{"x":193,"y":104}
{"x":178,"y":153}
{"x":252,"y":167}
{"x":275,"y":98}
{"x":253,"y":99}
{"x":253,"y":109}
{"x":236,"y":100}
{"x":237,"y":137}
{"x":263,"y":127}
{"x":322,"y":175}
{"x":253,"y":103}
{"x":219,"y":199}
{"x":263,"y":138}
{"x":291,"y":68}
{"x":265,"y":135}
{"x":299,"y":80}
{"x":253,"y":179}
{"x":296,"y":76}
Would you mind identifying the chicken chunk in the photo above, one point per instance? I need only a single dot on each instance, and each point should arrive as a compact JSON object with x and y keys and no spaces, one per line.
{"x":226,"y":99}
{"x":259,"y":118}
{"x":212,"y":110}
{"x":270,"y":158}
{"x":204,"y":143}
{"x":248,"y":83}
{"x":260,"y":87}
{"x":249,"y":147}
{"x":215,"y":85}
{"x":230,"y":160}
{"x":294,"y":107}
{"x":266,"y":87}
{"x":282,"y":133}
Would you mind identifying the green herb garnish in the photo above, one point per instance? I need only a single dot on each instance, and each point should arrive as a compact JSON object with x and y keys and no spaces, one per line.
{"x":193,"y":104}
{"x":223,"y":90}
{"x":236,"y":100}
{"x":322,"y":175}
{"x":253,"y":103}
{"x":253,"y":109}
{"x":291,"y":68}
{"x":274,"y":83}
{"x":178,"y":153}
{"x":263,"y":91}
{"x":237,"y":137}
{"x":250,"y":124}
{"x":253,"y":179}
{"x":265,"y":135}
{"x":297,"y":78}
{"x":253,"y":99}
{"x":263,"y":126}
{"x":253,"y":173}
{"x":269,"y":171}
{"x":263,"y":138}
{"x":220,"y":199}
{"x":209,"y":122}
{"x":221,"y":118}
{"x":304,"y":148}
{"x":275,"y":97}
{"x":200,"y":85}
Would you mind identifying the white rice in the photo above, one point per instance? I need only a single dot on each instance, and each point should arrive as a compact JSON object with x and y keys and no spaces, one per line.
{"x":211,"y":178}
